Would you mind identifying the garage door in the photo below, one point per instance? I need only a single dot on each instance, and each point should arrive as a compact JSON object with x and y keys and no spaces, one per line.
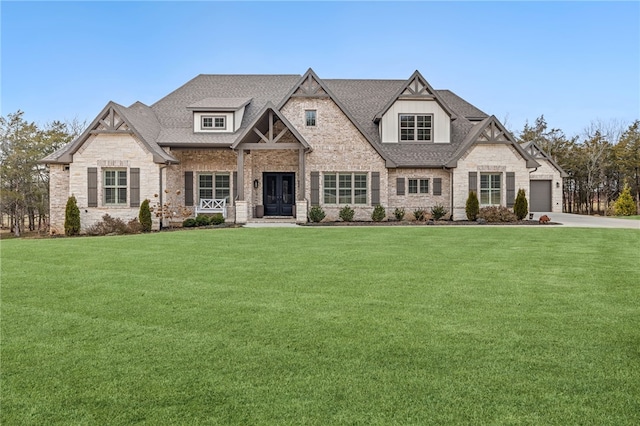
{"x":540,"y":197}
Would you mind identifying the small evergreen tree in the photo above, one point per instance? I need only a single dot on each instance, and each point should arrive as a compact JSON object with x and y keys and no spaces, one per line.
{"x":316,"y":214}
{"x":473,"y":206}
{"x":72,"y":217}
{"x":145,"y":216}
{"x":378,"y":213}
{"x":521,"y":207}
{"x":624,"y":205}
{"x":346,"y":214}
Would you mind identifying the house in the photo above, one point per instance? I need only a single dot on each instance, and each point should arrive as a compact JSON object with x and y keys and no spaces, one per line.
{"x":273,"y":146}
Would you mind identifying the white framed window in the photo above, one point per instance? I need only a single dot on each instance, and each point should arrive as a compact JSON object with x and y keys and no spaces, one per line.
{"x":310,"y":116}
{"x":214,"y":185}
{"x":415,"y":127}
{"x":114,"y":186}
{"x":418,"y":186}
{"x":490,"y":189}
{"x":345,"y":188}
{"x":213,"y":122}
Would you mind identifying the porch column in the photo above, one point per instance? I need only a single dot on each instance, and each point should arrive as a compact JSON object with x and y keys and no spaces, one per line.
{"x":240,"y":189}
{"x":301,"y":170}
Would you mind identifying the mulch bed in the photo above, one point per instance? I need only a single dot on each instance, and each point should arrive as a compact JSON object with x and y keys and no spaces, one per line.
{"x":428,"y":223}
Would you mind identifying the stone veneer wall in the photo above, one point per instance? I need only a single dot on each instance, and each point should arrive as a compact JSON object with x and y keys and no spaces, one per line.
{"x":546,"y":171}
{"x":410,"y":202}
{"x":337,"y":146}
{"x":496,"y":158}
{"x":58,"y":196}
{"x":212,"y":160}
{"x":104,"y":151}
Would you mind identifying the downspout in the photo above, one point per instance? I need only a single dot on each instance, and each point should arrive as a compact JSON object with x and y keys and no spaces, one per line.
{"x":161,"y":206}
{"x":450,"y":189}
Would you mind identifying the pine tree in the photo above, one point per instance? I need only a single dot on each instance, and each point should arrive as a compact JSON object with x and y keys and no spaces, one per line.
{"x":145,"y":216}
{"x":72,"y":217}
{"x":521,"y":207}
{"x":473,"y":206}
{"x":624,"y":205}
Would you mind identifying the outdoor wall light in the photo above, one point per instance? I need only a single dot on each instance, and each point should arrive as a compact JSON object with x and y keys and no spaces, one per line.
{"x":557,"y":184}
{"x":256,"y":183}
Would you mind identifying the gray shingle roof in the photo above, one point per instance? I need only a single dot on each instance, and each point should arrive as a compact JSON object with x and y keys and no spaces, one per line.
{"x":169,"y":121}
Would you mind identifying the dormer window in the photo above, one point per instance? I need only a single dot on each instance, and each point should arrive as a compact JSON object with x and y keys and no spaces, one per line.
{"x":416,"y":127}
{"x":213,"y":122}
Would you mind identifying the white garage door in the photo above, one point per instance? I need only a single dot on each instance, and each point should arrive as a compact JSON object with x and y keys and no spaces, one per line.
{"x":540,"y":195}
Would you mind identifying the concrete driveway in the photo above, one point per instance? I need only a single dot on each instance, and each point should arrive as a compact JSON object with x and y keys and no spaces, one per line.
{"x":578,"y":220}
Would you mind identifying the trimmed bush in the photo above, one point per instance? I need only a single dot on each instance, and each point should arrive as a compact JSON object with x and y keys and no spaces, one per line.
{"x":473,"y":206}
{"x":203,"y":220}
{"x":316,"y":214}
{"x":624,"y":205}
{"x":72,"y":217}
{"x":521,"y":207}
{"x":420,"y":215}
{"x":378,"y":214}
{"x":347,"y":213}
{"x":217,"y":219}
{"x":145,"y":216}
{"x":399,"y":213}
{"x":497,"y":214}
{"x":189,"y":223}
{"x":438,"y":211}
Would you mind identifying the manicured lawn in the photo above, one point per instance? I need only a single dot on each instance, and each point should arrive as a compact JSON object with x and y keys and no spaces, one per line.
{"x":634,"y":217}
{"x":417,"y":325}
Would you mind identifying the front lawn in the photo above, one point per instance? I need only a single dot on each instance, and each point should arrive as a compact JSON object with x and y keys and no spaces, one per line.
{"x":379,"y":325}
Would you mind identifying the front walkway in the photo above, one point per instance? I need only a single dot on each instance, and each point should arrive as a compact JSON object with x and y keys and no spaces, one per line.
{"x":583,"y":221}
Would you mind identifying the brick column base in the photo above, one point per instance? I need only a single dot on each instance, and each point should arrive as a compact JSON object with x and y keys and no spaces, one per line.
{"x":301,"y":211}
{"x":242,"y":211}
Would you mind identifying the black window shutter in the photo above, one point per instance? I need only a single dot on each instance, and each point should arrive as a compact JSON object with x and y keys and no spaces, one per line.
{"x":188,"y":188}
{"x":511,"y":189}
{"x":92,"y":186}
{"x":235,"y":187}
{"x":134,"y":195}
{"x":437,"y":186}
{"x":315,"y":188}
{"x":375,"y":188}
{"x":400,"y":186}
{"x":473,"y":182}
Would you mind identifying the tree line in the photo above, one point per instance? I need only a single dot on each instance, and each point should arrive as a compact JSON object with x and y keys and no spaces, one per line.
{"x":24,"y":182}
{"x":600,"y":163}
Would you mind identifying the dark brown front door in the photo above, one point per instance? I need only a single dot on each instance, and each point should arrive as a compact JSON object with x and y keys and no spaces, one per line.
{"x":279,"y":195}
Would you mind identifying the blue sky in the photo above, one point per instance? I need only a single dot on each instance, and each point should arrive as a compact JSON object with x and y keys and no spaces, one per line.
{"x":574,"y":62}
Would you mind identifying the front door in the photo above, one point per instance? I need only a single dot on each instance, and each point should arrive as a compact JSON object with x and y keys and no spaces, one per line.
{"x":279,"y":194}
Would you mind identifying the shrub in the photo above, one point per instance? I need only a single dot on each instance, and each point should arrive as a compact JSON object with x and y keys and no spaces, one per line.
{"x":72,"y":217}
{"x":145,"y":216}
{"x":624,"y":205}
{"x":316,"y":214}
{"x":378,"y":214}
{"x":189,"y":223}
{"x":473,"y":206}
{"x":203,"y":220}
{"x":420,"y":215}
{"x":438,"y":211}
{"x":217,"y":219}
{"x":497,"y":214}
{"x":346,"y":213}
{"x":110,"y":225}
{"x":521,"y":207}
{"x":399,"y":213}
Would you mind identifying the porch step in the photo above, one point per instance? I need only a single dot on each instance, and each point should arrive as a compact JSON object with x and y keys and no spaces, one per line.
{"x":272,"y":219}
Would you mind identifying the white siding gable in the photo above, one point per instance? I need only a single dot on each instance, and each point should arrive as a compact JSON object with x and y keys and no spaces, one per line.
{"x":441,"y":120}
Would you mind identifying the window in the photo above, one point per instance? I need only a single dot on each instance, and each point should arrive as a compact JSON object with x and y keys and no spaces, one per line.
{"x":115,"y":187}
{"x":418,"y":186}
{"x":345,"y":188}
{"x":214,"y":122}
{"x":415,"y":128}
{"x":214,"y":186}
{"x":310,"y":117}
{"x":490,"y":184}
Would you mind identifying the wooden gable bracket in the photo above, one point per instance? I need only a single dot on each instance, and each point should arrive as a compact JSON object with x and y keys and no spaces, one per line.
{"x":112,"y":123}
{"x":492,"y":134}
{"x":310,"y":88}
{"x":269,"y":138}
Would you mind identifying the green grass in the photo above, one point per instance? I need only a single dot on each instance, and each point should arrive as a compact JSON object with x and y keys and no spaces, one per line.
{"x":633,"y":217}
{"x":383,"y":325}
